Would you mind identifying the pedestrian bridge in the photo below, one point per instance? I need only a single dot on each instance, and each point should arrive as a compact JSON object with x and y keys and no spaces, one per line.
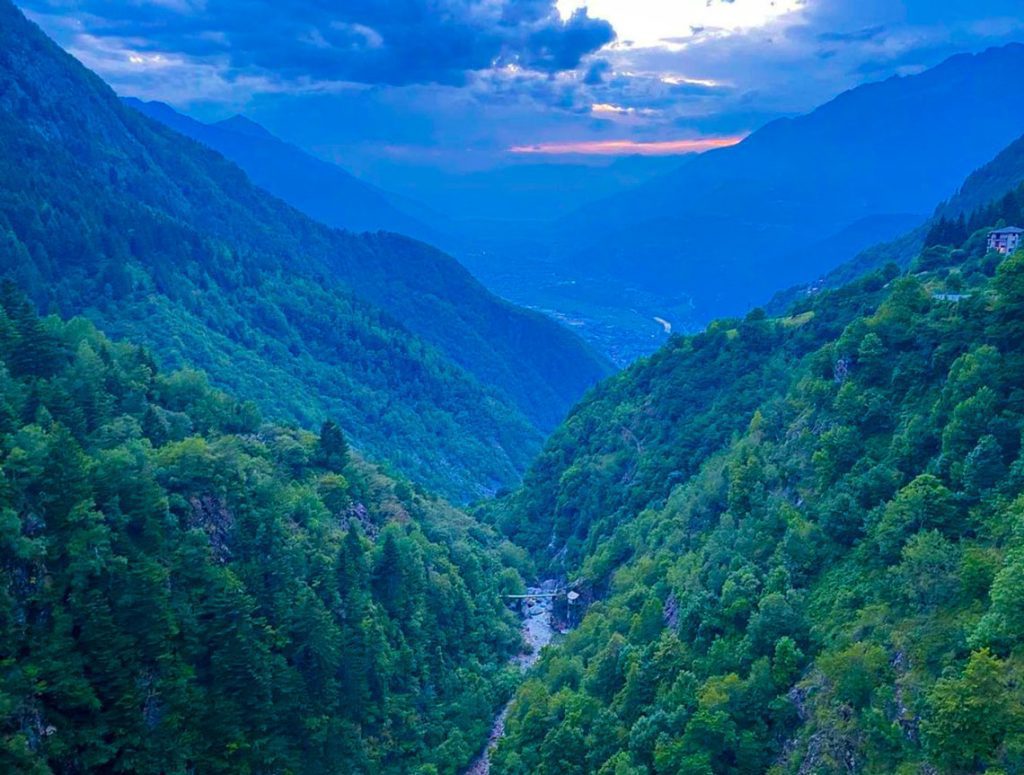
{"x":567,"y":593}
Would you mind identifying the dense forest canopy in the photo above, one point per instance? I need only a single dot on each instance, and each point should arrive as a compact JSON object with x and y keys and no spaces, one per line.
{"x":187,"y":588}
{"x":834,"y":585}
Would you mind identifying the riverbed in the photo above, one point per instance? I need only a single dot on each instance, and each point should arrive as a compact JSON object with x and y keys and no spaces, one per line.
{"x":537,"y":633}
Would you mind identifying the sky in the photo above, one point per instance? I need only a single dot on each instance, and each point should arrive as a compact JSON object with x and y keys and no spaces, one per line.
{"x":467,"y":84}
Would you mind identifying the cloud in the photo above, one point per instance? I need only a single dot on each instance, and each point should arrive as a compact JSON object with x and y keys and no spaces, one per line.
{"x":645,"y":23}
{"x":733,"y":77}
{"x":629,"y":147}
{"x":559,"y":46}
{"x":857,"y":36}
{"x":453,"y":79}
{"x":597,"y":71}
{"x":363,"y":41}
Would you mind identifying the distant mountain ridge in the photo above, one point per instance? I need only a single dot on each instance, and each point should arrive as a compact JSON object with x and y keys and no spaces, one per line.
{"x":720,"y":226}
{"x":238,"y":124}
{"x":544,"y":368}
{"x":320,"y":189}
{"x":988,"y":183}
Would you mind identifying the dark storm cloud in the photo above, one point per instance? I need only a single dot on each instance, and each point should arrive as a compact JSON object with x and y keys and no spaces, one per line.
{"x":858,"y":36}
{"x":596,"y":72}
{"x":365,"y":41}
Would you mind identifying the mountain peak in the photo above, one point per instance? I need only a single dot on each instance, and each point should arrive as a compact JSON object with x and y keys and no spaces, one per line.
{"x":241,"y":125}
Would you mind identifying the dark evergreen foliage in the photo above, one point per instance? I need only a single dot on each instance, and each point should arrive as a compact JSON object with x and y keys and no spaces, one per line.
{"x":1007,"y":211}
{"x":185,"y":588}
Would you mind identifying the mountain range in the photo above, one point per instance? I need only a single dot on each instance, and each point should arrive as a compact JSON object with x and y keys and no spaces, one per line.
{"x":110,"y":214}
{"x":324,"y":191}
{"x":800,"y":193}
{"x":789,"y":543}
{"x":495,"y":221}
{"x":807,"y":186}
{"x":799,"y":180}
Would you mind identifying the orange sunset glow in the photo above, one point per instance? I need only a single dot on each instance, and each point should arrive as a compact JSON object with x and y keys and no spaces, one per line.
{"x":625,"y":147}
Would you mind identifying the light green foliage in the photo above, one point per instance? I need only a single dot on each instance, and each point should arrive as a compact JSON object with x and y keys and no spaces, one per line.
{"x":833,"y":582}
{"x":972,"y":714}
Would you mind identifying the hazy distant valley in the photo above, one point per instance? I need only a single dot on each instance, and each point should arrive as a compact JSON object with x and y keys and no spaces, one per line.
{"x":608,"y":247}
{"x":497,"y":223}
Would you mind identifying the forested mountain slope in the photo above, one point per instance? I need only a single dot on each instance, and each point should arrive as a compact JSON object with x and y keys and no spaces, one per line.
{"x":639,"y":434}
{"x":833,"y":582}
{"x":541,"y":365}
{"x":988,"y":183}
{"x":187,"y":588}
{"x":106,"y":213}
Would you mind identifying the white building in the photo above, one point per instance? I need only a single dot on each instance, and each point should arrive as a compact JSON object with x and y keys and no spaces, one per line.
{"x":1006,"y":241}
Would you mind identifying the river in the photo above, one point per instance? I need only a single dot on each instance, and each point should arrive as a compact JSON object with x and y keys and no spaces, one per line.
{"x":537,"y":633}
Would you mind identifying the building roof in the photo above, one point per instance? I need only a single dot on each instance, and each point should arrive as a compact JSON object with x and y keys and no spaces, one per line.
{"x":1008,"y":230}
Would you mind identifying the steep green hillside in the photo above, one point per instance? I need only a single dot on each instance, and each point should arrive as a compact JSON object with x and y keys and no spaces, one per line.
{"x":646,"y":430}
{"x":185,"y":588}
{"x":541,"y":365}
{"x":835,"y":589}
{"x":106,"y":213}
{"x":989,"y":183}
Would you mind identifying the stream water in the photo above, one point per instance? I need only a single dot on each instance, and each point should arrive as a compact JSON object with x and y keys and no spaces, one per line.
{"x":537,"y":633}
